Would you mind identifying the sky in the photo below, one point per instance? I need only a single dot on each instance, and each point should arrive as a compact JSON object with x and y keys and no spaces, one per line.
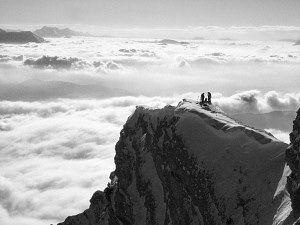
{"x":152,"y":14}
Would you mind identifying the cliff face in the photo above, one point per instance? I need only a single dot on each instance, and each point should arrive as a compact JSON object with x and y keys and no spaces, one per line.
{"x":292,"y":158}
{"x":191,"y":165}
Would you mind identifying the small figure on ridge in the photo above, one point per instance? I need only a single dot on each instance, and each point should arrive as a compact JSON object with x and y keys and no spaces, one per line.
{"x":202,"y":98}
{"x":209,"y":97}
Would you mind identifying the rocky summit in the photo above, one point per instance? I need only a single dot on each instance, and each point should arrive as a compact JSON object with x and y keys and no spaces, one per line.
{"x":193,"y":164}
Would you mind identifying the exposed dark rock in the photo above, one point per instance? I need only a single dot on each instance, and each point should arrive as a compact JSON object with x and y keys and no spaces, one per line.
{"x":292,"y":158}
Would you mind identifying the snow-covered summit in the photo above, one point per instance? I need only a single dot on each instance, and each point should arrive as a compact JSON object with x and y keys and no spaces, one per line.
{"x":190,"y":164}
{"x":215,"y":117}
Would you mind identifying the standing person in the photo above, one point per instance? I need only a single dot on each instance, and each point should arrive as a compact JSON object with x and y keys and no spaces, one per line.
{"x":209,"y":97}
{"x":202,"y":98}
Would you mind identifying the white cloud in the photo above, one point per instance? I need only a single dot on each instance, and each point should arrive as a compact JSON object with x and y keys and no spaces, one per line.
{"x":56,"y":154}
{"x":255,"y":101}
{"x":280,"y":135}
{"x":56,"y":62}
{"x":218,"y":65}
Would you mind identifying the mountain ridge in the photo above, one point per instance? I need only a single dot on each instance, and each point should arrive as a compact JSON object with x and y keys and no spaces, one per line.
{"x":54,"y":32}
{"x":34,"y":89}
{"x":19,"y":37}
{"x":190,"y":164}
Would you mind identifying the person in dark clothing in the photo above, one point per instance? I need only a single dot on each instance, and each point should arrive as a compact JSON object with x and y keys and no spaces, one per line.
{"x":202,"y":98}
{"x":209,"y":97}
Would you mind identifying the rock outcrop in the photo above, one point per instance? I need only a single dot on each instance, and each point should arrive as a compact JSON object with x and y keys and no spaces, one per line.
{"x":191,"y":164}
{"x":21,"y":37}
{"x":293,"y":160}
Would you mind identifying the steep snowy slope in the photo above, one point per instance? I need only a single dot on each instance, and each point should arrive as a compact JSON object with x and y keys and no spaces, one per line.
{"x":191,"y":164}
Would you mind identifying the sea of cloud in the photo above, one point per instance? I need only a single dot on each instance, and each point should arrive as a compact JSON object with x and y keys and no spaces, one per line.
{"x":55,"y":152}
{"x":54,"y":155}
{"x":275,"y":33}
{"x":157,"y":68}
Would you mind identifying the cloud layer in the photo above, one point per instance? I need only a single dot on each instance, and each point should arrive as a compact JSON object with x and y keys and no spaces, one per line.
{"x":55,"y":155}
{"x":65,"y":148}
{"x":57,"y":148}
{"x":254,"y":101}
{"x":55,"y":62}
{"x":224,"y":66}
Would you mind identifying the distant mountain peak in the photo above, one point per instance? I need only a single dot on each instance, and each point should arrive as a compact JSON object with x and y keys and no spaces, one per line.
{"x":170,"y":41}
{"x":35,"y":89}
{"x":54,"y":32}
{"x":19,"y":37}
